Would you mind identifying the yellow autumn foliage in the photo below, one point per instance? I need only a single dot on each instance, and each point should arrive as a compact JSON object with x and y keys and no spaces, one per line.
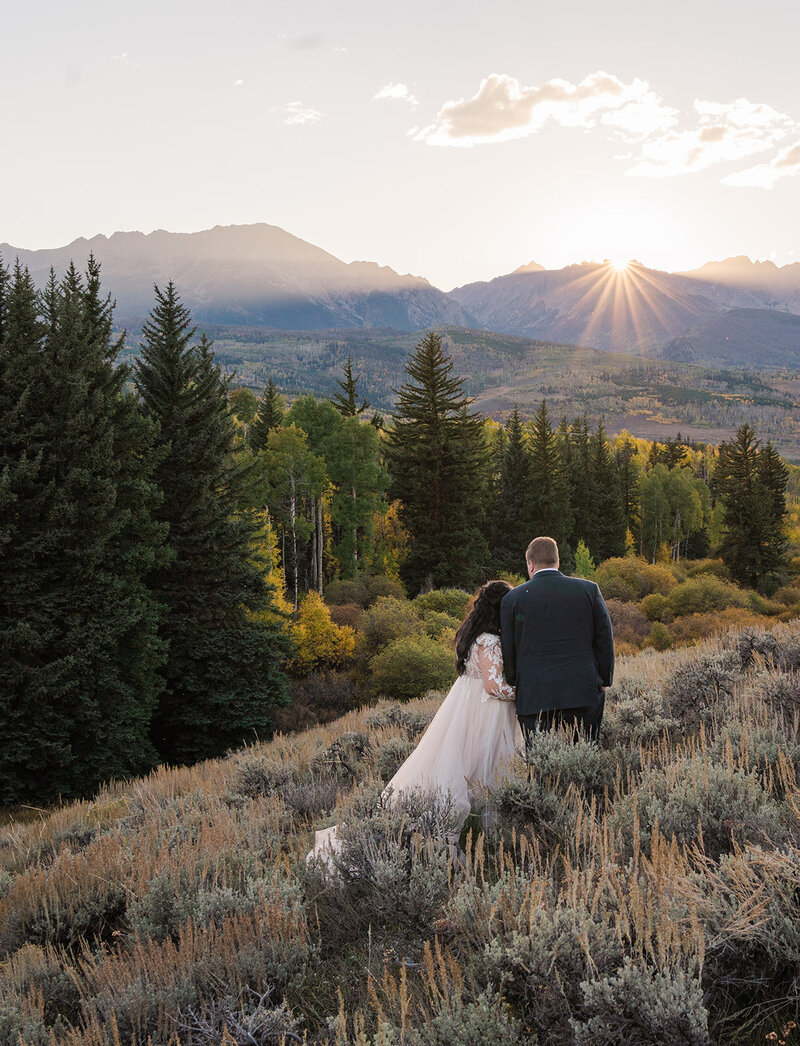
{"x":318,"y":640}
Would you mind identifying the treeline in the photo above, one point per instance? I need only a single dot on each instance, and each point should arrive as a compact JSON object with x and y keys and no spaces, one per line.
{"x":129,"y":615}
{"x":439,"y":496}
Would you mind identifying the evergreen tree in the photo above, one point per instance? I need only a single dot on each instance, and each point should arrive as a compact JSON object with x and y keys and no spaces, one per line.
{"x":550,"y":512}
{"x":438,"y":459}
{"x":222,"y":675}
{"x":78,"y":627}
{"x":346,"y":401}
{"x":580,"y":481}
{"x":751,"y":485}
{"x":628,"y":480}
{"x":271,"y":410}
{"x":608,"y":528}
{"x":510,"y":508}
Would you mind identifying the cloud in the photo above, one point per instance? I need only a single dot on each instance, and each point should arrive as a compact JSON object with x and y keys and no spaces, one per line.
{"x":125,"y":59}
{"x":295,"y":114}
{"x":238,"y":83}
{"x":764,"y":175}
{"x":725,"y":132}
{"x":503,"y":109}
{"x":395,"y":92}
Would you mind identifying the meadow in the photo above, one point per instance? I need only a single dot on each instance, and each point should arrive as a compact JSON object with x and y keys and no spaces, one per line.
{"x":644,"y":891}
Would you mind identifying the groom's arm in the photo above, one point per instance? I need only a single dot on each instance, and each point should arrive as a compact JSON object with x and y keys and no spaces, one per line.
{"x":507,"y":640}
{"x":603,"y":641}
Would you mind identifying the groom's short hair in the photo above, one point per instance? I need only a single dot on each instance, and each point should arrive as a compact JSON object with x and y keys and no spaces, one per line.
{"x":543,"y":552}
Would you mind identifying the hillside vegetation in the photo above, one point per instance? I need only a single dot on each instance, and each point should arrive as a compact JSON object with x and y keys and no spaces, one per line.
{"x":651,"y":398}
{"x":645,"y":891}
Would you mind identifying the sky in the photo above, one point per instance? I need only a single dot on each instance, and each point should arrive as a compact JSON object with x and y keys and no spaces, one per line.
{"x":454,"y":142}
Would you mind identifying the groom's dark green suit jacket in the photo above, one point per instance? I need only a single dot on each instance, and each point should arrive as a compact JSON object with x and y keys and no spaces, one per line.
{"x":558,"y":647}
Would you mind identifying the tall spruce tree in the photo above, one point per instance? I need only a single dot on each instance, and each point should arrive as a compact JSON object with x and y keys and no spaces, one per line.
{"x":511,"y":507}
{"x":78,"y":626}
{"x":751,"y":485}
{"x":438,"y":457}
{"x":271,"y":411}
{"x":550,"y":511}
{"x":222,"y":677}
{"x":346,"y":400}
{"x":607,"y":528}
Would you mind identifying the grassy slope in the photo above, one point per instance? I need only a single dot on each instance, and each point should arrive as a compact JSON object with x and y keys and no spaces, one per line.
{"x":191,"y":887}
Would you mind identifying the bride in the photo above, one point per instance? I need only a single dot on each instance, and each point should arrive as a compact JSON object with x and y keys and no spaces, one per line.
{"x":474,"y":734}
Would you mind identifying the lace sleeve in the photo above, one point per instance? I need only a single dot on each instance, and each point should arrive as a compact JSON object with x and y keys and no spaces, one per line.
{"x":490,"y":662}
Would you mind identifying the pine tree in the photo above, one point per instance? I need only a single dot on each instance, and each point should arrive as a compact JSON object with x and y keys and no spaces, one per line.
{"x":550,"y":512}
{"x":608,"y":528}
{"x":78,"y":627}
{"x":271,"y":410}
{"x":438,"y":459}
{"x":751,"y":485}
{"x":222,"y":676}
{"x":346,"y":401}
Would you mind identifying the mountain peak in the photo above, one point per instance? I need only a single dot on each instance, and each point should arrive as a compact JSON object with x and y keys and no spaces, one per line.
{"x":532,"y":266}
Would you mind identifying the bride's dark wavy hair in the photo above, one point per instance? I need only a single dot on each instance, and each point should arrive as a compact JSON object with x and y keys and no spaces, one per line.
{"x":483,"y":615}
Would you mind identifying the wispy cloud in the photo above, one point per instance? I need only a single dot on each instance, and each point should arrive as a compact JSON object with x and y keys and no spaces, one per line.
{"x":395,"y":92}
{"x":295,"y":114}
{"x":725,"y":132}
{"x":503,"y":108}
{"x":764,"y":175}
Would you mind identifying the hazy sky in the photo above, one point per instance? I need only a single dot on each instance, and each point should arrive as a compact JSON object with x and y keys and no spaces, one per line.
{"x":453,"y":141}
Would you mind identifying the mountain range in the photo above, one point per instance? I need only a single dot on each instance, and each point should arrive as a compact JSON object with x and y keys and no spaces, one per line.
{"x":735,"y":311}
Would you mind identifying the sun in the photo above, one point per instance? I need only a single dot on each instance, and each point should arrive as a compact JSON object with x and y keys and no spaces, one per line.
{"x":619,"y":264}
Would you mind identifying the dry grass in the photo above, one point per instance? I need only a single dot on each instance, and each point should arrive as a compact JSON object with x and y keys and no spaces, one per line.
{"x":663,"y":869}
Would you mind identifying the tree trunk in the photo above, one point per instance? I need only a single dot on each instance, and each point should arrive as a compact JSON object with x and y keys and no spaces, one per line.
{"x":292,"y":518}
{"x":320,"y":537}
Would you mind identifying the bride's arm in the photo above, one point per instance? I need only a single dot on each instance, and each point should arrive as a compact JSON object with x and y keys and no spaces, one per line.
{"x":490,"y":662}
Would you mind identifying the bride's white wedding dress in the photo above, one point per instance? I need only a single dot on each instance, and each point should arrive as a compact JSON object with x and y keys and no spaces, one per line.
{"x":468,"y":745}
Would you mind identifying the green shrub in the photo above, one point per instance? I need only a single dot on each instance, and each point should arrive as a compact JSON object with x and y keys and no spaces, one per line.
{"x":363,"y":590}
{"x":386,"y":620}
{"x":160,"y":912}
{"x":561,"y":763}
{"x":451,"y":601}
{"x":696,"y":797}
{"x":660,"y":637}
{"x":410,"y":667}
{"x":656,"y":607}
{"x":485,"y":1020}
{"x":639,"y":1006}
{"x":439,"y":625}
{"x":540,"y":960}
{"x":695,"y":687}
{"x":392,"y":872}
{"x":708,"y":566}
{"x":524,"y":803}
{"x":703,"y":593}
{"x":411,"y":723}
{"x":630,"y":579}
{"x":392,"y":755}
{"x":635,"y":715}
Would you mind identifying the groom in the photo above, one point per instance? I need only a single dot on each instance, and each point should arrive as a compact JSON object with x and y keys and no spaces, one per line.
{"x":558,"y":648}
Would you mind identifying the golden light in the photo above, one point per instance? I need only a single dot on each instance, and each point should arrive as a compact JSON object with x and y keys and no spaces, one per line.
{"x":620,"y":264}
